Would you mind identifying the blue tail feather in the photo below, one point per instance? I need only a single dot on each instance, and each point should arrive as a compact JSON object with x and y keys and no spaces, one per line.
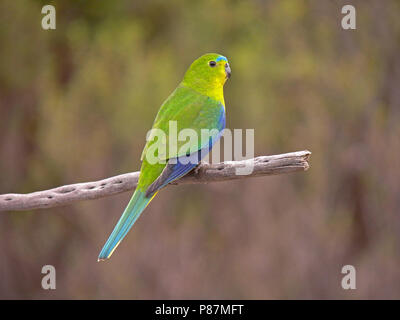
{"x":140,"y":200}
{"x":132,"y":212}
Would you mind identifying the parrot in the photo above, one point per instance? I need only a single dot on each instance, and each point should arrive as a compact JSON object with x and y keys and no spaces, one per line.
{"x":197,"y":103}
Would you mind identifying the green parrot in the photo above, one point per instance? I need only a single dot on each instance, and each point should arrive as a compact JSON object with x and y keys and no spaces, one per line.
{"x":197,"y":104}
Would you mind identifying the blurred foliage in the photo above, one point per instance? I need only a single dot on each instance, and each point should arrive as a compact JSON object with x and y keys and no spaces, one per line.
{"x":76,"y":103}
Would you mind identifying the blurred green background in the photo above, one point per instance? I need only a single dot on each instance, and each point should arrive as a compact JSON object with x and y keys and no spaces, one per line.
{"x":76,"y":103}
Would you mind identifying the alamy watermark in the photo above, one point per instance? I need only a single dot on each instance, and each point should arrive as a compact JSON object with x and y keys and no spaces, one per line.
{"x":49,"y":20}
{"x":188,"y":146}
{"x":349,"y":20}
{"x":49,"y":280}
{"x":349,"y":280}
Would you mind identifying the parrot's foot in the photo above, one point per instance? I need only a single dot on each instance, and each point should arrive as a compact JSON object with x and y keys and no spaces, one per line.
{"x":200,"y":164}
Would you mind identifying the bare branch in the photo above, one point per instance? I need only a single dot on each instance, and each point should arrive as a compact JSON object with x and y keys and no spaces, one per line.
{"x":264,"y":165}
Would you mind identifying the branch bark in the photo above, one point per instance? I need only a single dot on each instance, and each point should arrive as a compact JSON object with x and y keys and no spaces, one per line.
{"x":205,"y":172}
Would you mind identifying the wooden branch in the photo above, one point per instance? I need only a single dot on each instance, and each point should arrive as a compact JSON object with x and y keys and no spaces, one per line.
{"x":205,"y":172}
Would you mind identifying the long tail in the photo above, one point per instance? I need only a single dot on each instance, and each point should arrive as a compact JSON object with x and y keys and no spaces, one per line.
{"x":133,"y":210}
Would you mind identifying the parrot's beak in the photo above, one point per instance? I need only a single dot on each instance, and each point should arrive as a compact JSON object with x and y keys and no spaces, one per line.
{"x":227,"y":70}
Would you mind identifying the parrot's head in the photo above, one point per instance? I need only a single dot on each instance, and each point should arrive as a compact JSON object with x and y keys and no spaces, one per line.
{"x":210,"y":71}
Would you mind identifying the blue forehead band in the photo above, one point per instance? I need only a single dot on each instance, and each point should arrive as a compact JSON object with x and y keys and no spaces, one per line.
{"x":221,"y":58}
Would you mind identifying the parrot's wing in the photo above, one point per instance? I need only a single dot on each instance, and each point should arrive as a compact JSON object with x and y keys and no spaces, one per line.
{"x":177,"y":169}
{"x":186,"y":109}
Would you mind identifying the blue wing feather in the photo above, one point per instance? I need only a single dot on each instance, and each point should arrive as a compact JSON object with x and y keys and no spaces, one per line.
{"x":185,"y":164}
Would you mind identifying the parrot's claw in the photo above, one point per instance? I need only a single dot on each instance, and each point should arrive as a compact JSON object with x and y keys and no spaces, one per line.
{"x":200,"y":164}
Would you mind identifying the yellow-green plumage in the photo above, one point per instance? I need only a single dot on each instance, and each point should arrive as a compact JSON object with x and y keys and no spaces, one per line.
{"x":197,"y":103}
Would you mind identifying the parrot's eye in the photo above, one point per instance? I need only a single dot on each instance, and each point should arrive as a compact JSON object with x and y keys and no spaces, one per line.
{"x":212,"y":63}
